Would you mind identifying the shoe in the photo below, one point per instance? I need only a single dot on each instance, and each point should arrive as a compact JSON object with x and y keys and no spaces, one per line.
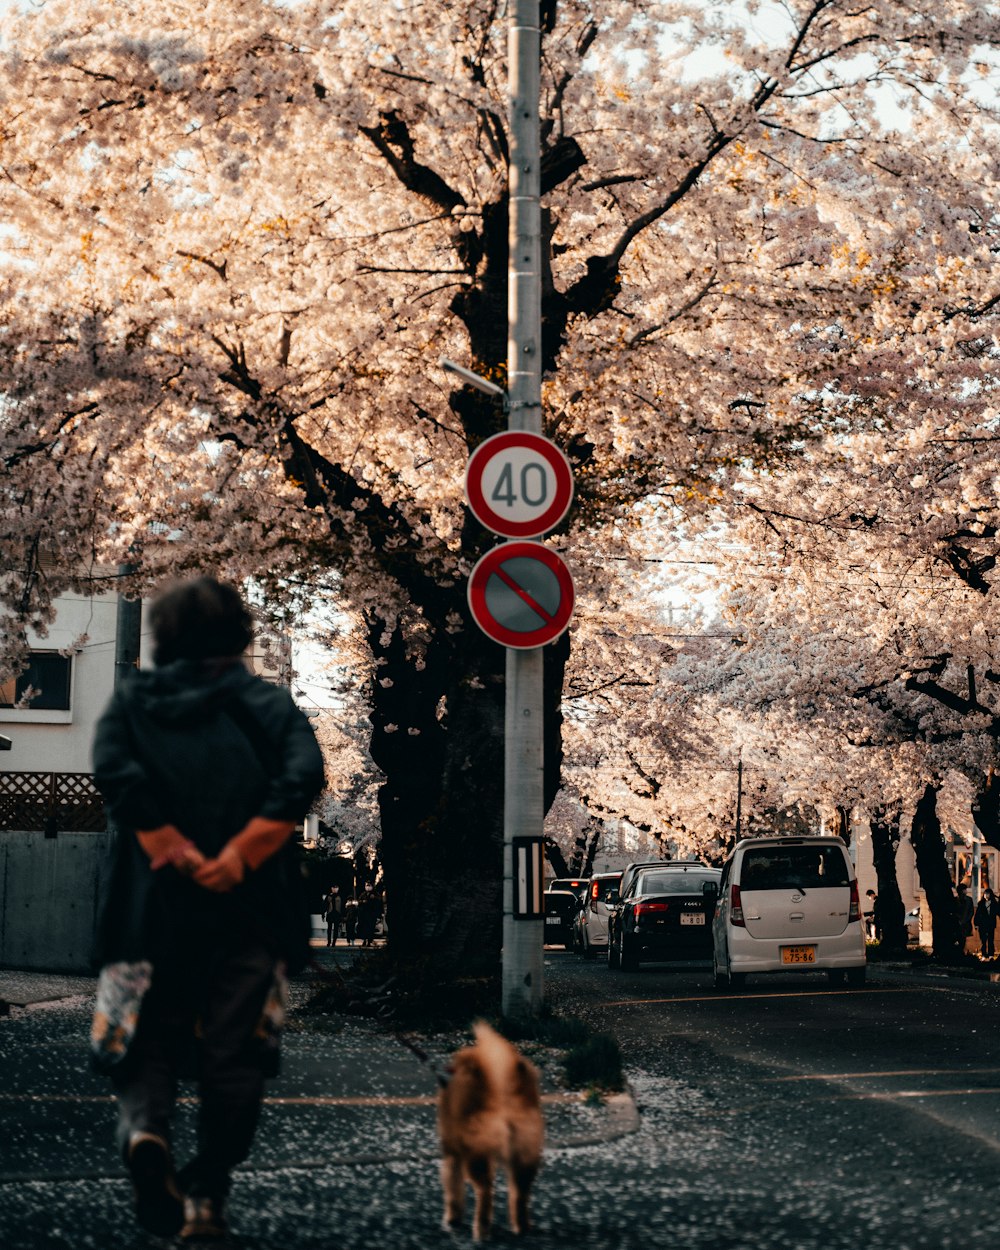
{"x":204,"y":1220}
{"x":159,"y":1207}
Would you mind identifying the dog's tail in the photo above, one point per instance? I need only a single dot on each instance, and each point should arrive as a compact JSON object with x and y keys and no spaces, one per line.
{"x":505,"y":1068}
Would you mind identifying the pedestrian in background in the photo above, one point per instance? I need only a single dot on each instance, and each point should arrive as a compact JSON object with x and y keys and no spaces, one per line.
{"x":986,"y":920}
{"x":966,"y":910}
{"x":871,"y":928}
{"x":334,"y":909}
{"x":205,"y":770}
{"x":368,"y":914}
{"x":350,"y":920}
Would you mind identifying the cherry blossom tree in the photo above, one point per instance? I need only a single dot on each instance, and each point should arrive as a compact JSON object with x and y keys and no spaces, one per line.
{"x":239,"y":235}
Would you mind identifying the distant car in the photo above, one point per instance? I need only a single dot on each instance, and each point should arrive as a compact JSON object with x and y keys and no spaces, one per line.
{"x":631,"y":869}
{"x":577,"y":884}
{"x":561,"y":907}
{"x":788,"y":905}
{"x":590,"y":927}
{"x":664,"y":913}
{"x":912,"y":922}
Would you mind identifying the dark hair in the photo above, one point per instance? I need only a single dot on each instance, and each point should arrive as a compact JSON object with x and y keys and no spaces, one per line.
{"x":200,"y":619}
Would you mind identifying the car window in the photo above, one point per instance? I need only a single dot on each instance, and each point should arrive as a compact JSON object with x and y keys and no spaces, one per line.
{"x":576,"y":884}
{"x":785,"y":867}
{"x":674,"y":882}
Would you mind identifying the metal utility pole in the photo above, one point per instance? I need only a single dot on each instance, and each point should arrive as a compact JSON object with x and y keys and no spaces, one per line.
{"x":739,"y":795}
{"x":128,"y":631}
{"x":522,"y":982}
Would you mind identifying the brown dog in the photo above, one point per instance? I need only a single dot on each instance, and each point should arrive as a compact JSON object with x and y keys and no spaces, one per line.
{"x":489,"y":1112}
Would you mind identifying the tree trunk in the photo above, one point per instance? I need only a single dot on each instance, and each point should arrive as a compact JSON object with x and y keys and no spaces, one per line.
{"x":584,"y":850}
{"x":891,"y":908}
{"x":557,"y":861}
{"x":842,"y":823}
{"x":935,"y":878}
{"x":986,"y":809}
{"x":438,"y":736}
{"x":592,"y":845}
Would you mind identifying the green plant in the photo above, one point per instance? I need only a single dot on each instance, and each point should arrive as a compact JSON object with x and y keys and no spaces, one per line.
{"x":595,"y":1063}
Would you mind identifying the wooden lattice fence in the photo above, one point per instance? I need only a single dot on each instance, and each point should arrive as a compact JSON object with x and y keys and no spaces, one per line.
{"x":50,"y":802}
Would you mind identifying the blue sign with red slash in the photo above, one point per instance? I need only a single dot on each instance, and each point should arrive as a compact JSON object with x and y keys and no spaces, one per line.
{"x":521,"y":595}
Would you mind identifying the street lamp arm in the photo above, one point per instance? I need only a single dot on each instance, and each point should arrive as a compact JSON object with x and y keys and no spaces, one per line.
{"x":473,"y":379}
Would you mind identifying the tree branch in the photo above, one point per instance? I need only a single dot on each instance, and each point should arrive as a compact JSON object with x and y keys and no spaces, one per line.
{"x":393,"y":140}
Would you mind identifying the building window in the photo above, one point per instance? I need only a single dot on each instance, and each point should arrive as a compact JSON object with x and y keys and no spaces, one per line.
{"x":46,"y":680}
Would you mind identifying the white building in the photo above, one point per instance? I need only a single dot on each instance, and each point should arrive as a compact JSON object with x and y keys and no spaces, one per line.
{"x":53,"y":832}
{"x":53,"y":733}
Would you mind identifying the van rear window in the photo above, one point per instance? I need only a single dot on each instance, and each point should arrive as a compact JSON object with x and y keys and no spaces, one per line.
{"x":784,"y":867}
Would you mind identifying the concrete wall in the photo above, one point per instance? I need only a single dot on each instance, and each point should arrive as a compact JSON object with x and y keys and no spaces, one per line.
{"x":48,"y":899}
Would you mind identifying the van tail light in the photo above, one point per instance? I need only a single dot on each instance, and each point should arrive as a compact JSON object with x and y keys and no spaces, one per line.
{"x":595,"y":891}
{"x":647,"y":909}
{"x":855,"y":910}
{"x":736,"y":908}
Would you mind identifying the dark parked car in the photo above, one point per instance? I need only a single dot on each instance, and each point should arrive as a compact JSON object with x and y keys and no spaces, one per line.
{"x":577,"y":884}
{"x":664,"y":913}
{"x":561,"y":907}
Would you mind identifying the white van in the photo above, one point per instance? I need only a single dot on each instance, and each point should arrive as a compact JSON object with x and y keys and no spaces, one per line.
{"x":788,"y":905}
{"x":590,"y":928}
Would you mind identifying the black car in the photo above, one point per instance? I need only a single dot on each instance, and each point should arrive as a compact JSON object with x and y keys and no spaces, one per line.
{"x":665,"y":913}
{"x":577,"y":884}
{"x":561,"y":907}
{"x":630,"y":871}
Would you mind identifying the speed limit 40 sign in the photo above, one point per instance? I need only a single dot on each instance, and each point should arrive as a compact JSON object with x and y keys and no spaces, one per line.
{"x":518,"y":484}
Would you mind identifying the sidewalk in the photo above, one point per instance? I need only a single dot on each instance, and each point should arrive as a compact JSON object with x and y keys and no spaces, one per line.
{"x":346,"y":1153}
{"x":351,"y":1089}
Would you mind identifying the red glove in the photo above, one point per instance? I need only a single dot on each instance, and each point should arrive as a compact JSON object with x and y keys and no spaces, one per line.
{"x":223,"y":873}
{"x":167,"y":845}
{"x":255,"y":842}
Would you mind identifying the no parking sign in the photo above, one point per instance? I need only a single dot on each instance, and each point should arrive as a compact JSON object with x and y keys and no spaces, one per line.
{"x":521,"y":595}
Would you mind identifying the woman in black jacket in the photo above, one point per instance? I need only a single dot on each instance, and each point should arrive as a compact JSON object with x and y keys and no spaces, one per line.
{"x":205,"y":770}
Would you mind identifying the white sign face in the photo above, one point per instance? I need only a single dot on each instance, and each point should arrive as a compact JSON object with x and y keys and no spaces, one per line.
{"x":518,"y":484}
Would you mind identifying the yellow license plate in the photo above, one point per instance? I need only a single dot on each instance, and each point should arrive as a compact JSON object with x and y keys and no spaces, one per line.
{"x":798,"y":954}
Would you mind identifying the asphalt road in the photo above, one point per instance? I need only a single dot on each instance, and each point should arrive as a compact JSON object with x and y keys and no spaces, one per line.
{"x":795,"y":1115}
{"x":789,"y":1117}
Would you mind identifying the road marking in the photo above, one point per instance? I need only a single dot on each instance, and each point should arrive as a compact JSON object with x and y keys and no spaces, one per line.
{"x":319,"y":1100}
{"x":864,"y":1076}
{"x":734,"y":998}
{"x":892,"y":1095}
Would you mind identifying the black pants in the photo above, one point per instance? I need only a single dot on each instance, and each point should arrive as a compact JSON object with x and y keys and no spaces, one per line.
{"x":332,"y":929}
{"x":220,"y":997}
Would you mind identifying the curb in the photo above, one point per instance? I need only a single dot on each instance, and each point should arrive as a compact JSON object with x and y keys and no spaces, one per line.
{"x":974,"y":976}
{"x":623,"y":1119}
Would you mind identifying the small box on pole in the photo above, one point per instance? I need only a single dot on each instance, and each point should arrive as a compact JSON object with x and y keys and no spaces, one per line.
{"x":529,"y":875}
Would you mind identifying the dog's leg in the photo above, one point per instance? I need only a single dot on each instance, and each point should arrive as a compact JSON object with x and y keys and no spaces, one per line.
{"x":453,"y":1184}
{"x":520,"y":1178}
{"x":480,"y":1169}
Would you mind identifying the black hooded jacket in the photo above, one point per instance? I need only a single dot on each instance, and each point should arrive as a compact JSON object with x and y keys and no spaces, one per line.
{"x":205,"y":747}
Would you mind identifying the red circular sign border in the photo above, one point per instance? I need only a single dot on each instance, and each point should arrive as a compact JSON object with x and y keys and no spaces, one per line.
{"x":484,"y":570}
{"x":482,"y":511}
